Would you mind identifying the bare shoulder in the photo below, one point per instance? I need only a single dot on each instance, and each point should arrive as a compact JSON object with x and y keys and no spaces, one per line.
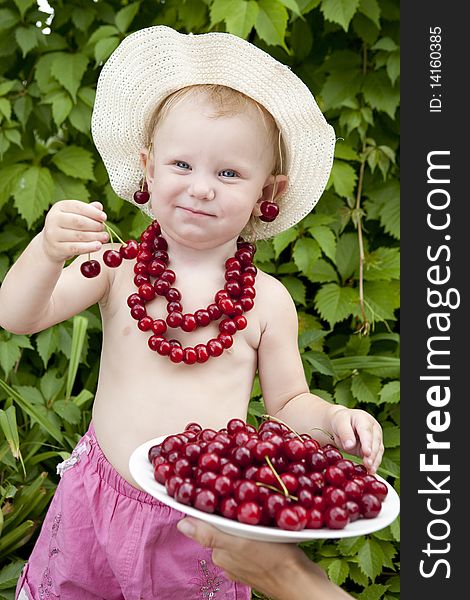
{"x":273,"y":298}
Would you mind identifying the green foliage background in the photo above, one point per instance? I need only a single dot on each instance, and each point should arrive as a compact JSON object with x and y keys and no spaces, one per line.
{"x":341,"y":263}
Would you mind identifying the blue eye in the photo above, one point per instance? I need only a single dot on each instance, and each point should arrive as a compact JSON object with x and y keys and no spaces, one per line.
{"x":181,"y":164}
{"x":228,"y":173}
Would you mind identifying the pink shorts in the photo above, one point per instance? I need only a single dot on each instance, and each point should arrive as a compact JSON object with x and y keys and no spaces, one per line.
{"x":103,"y":539}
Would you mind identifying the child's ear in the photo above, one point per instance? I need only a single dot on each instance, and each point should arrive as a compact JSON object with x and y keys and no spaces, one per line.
{"x":147,"y":163}
{"x":278,"y":183}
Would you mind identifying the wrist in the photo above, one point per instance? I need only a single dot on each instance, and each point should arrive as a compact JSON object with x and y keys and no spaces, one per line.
{"x":44,"y":248}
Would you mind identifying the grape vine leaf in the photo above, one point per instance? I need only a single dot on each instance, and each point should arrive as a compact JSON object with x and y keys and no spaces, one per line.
{"x":335,"y":303}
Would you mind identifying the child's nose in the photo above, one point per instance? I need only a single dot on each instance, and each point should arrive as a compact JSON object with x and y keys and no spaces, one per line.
{"x":201,"y":190}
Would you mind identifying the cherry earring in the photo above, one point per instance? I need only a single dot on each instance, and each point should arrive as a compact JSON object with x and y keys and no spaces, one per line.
{"x":142,"y":196}
{"x":269,"y":211}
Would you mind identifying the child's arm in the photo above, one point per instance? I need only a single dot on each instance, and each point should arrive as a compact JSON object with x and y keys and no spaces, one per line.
{"x":286,"y":393}
{"x":38,"y":292}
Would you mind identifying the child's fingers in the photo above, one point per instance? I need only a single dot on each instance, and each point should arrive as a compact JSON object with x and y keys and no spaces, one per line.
{"x":73,"y":236}
{"x":345,"y":432}
{"x":76,"y":209}
{"x":77,"y":248}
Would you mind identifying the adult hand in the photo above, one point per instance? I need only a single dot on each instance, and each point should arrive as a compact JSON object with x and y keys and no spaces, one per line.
{"x":280,"y":571}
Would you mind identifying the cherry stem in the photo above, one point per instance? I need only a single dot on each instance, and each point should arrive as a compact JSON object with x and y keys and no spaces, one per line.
{"x":275,"y":489}
{"x":276,"y":475}
{"x":110,"y":230}
{"x":270,"y":418}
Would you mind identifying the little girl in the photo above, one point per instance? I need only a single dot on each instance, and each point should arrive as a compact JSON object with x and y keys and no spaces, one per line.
{"x":228,"y":142}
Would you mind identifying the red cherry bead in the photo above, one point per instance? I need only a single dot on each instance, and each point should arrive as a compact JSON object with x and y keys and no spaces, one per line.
{"x":251,"y":269}
{"x":144,"y":256}
{"x":147,"y":291}
{"x":161,"y":255}
{"x":164,"y":348}
{"x":190,"y":356}
{"x":133,"y":299}
{"x":228,"y":326}
{"x":225,"y":339}
{"x":232,"y":263}
{"x":233,"y":288}
{"x":148,"y":234}
{"x":159,"y":326}
{"x":174,"y":319}
{"x":173,"y":295}
{"x":176,"y":354}
{"x":249,"y":292}
{"x":202,"y":317}
{"x":214,"y":347}
{"x":161,"y":287}
{"x":160,"y":243}
{"x":138,"y":312}
{"x":189,"y":323}
{"x":246,"y":303}
{"x":156,"y":267}
{"x":214,"y":312}
{"x":140,"y":279}
{"x":248,"y":280}
{"x":154,"y":342}
{"x":233,"y":275}
{"x":226,"y":306}
{"x":202,"y":353}
{"x":140,"y":268}
{"x":145,"y":323}
{"x":169,"y":276}
{"x":240,"y":322}
{"x":244,"y":256}
{"x":172,"y":306}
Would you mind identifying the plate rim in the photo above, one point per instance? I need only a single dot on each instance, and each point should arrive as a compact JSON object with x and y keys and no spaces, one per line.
{"x":256,"y":532}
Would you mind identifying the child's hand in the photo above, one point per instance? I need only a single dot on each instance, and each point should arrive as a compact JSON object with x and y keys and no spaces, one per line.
{"x":360,"y":434}
{"x":73,"y":227}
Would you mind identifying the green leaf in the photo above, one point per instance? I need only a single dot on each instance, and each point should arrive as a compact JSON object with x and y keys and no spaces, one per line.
{"x":282,"y":240}
{"x":10,"y":574}
{"x":380,"y":94}
{"x":343,"y":178}
{"x":381,"y":299}
{"x":10,"y":353}
{"x":125,"y":16}
{"x":373,"y":361}
{"x":350,"y":545}
{"x":358,"y":345}
{"x":80,"y":117}
{"x":373,"y":592}
{"x":320,"y":362}
{"x":5,"y":108}
{"x":326,"y":239}
{"x":383,"y":263}
{"x":10,"y":430}
{"x":82,"y":18}
{"x":23,"y":107}
{"x":271,"y":22}
{"x":27,"y":38}
{"x":8,"y":19}
{"x":357,"y":575}
{"x":32,"y":411}
{"x":68,"y":187}
{"x":306,"y":252}
{"x":384,"y":205}
{"x":33,"y":193}
{"x":371,"y":9}
{"x":323,"y":272}
{"x":371,"y":558}
{"x":340,"y":85}
{"x":335,"y":303}
{"x":338,"y":571}
{"x":393,"y":66}
{"x":47,"y":343}
{"x":61,"y":106}
{"x":31,"y":394}
{"x":9,"y":176}
{"x":6,"y":86}
{"x":347,"y":255}
{"x":23,"y":6}
{"x":292,"y":6}
{"x":296,"y":289}
{"x":105,"y":31}
{"x":69,"y":69}
{"x":50,"y":385}
{"x":68,"y":410}
{"x":339,"y":11}
{"x":366,"y":387}
{"x":76,"y":162}
{"x":78,"y":338}
{"x":242,"y":20}
{"x":391,"y":436}
{"x":104,"y":48}
{"x":390,"y":393}
{"x":343,"y":394}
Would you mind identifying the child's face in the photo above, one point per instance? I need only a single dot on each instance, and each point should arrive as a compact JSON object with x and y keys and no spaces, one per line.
{"x":207,"y":174}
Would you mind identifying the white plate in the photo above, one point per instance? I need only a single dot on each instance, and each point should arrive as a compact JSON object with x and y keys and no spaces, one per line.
{"x":142,"y":471}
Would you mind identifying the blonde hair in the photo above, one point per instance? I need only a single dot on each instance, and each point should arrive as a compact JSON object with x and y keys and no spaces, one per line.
{"x":226,"y":102}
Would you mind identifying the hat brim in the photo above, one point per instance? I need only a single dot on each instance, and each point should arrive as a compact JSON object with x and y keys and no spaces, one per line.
{"x":154,"y":62}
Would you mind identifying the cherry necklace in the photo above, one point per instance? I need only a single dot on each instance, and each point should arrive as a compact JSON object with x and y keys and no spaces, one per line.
{"x":236,"y":298}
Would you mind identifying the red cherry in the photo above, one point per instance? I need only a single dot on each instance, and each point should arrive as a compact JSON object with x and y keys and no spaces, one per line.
{"x":202,"y":317}
{"x":335,"y":476}
{"x":141,"y":197}
{"x":190,"y":356}
{"x":294,"y":449}
{"x":249,"y":512}
{"x":370,"y":506}
{"x":334,"y":496}
{"x":288,"y":518}
{"x":129,"y":250}
{"x":90,"y":268}
{"x":112,"y":258}
{"x":172,"y":484}
{"x":228,"y":508}
{"x":205,"y":500}
{"x":353,"y":509}
{"x":377,"y":488}
{"x":315,"y":519}
{"x":163,"y":471}
{"x":352,"y":490}
{"x":336,"y":517}
{"x":186,"y":493}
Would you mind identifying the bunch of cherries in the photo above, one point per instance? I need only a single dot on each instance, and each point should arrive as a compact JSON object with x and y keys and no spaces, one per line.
{"x":269,"y":476}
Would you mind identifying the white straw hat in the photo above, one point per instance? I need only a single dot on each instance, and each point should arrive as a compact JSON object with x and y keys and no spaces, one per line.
{"x":152,"y":63}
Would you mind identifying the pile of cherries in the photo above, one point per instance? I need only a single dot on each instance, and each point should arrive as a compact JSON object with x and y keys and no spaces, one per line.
{"x":269,"y":476}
